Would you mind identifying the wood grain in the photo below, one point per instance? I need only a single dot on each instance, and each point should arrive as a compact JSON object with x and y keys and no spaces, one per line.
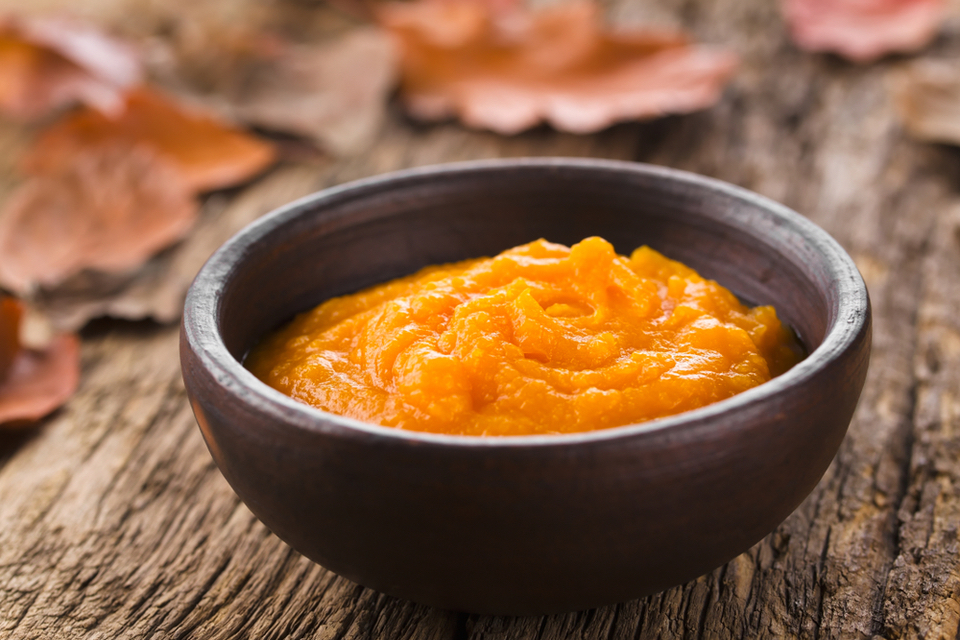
{"x":114,"y":523}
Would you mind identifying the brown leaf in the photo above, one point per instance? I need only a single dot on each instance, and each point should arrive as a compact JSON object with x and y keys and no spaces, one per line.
{"x":508,"y":70}
{"x":11,"y":311}
{"x":33,"y":383}
{"x":335,"y":93}
{"x":208,"y":154}
{"x":109,"y":209}
{"x":40,"y":381}
{"x":927,"y":98}
{"x":47,"y":63}
{"x":863,"y":30}
{"x":157,"y":289}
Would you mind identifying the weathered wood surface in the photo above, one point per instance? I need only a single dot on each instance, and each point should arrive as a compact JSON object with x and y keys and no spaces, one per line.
{"x":114,"y":522}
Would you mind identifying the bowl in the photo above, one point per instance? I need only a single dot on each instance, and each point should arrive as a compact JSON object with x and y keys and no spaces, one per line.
{"x":529,"y":524}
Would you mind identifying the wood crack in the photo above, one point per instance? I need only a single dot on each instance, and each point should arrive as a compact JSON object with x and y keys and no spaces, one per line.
{"x":906,"y":464}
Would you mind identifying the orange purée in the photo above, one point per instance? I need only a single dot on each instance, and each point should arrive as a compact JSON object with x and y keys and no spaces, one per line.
{"x":540,"y":339}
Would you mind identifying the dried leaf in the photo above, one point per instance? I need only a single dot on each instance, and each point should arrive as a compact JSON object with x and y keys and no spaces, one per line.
{"x":863,"y":30}
{"x":927,"y":98}
{"x":40,"y":381}
{"x":208,"y":155}
{"x":110,"y":209}
{"x":334,"y":94}
{"x":11,"y":311}
{"x":33,"y":383}
{"x":508,"y":70}
{"x":157,"y":289}
{"x":47,"y":63}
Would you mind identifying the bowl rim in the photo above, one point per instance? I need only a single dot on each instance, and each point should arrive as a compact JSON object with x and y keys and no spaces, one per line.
{"x":200,"y":330}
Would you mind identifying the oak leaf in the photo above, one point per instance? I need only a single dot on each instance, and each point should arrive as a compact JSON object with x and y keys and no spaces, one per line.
{"x":105,"y":195}
{"x":208,"y":154}
{"x":507,"y":70}
{"x":157,"y":289}
{"x":47,"y":63}
{"x":863,"y":30}
{"x":109,"y":209}
{"x":33,"y":382}
{"x":333,"y":93}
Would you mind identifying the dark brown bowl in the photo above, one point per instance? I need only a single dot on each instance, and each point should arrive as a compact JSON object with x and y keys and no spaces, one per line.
{"x":531,"y":524}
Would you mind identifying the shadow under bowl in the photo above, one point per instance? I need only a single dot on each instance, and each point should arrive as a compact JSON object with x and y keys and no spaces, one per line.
{"x":532,"y":524}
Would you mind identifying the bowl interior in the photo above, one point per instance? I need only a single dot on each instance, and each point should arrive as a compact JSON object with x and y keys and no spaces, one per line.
{"x":349,"y":238}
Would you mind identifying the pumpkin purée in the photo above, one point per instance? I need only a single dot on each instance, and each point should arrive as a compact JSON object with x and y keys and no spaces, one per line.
{"x":540,"y":339}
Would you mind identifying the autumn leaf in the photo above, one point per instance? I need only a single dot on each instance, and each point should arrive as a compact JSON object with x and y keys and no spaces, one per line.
{"x":40,"y":381}
{"x":48,"y":63}
{"x":106,"y":193}
{"x":110,"y":209}
{"x":333,"y":93}
{"x":863,"y":30}
{"x":508,"y":70}
{"x":33,"y":382}
{"x":927,"y":98}
{"x":207,"y":154}
{"x":157,"y":289}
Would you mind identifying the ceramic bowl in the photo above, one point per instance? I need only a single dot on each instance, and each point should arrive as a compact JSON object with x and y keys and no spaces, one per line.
{"x":533,"y":524}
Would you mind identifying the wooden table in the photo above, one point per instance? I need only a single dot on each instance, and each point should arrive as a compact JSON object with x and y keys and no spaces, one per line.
{"x":114,"y":521}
